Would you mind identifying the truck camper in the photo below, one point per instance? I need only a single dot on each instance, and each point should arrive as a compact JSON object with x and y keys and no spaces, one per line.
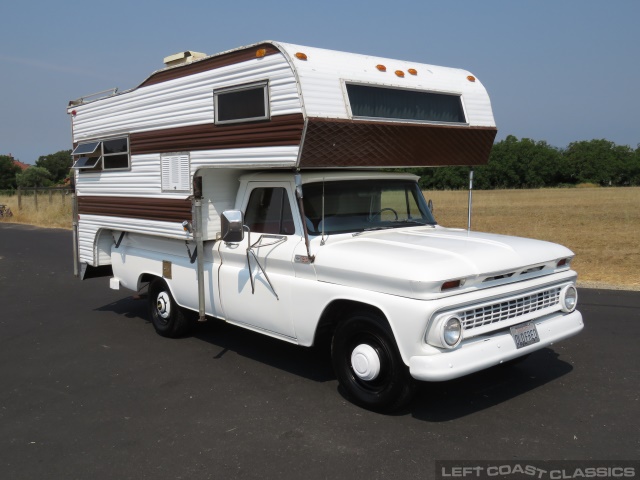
{"x":253,"y":187}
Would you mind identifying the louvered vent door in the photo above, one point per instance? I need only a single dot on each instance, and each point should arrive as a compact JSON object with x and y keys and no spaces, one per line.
{"x":175,"y":172}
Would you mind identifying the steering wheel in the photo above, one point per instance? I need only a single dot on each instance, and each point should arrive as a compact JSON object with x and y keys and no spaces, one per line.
{"x":386,"y":208}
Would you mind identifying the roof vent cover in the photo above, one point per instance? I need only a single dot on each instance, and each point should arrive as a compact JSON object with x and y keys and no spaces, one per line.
{"x":182,"y":58}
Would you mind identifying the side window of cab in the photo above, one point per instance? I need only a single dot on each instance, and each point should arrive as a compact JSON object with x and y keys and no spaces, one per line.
{"x":269,"y":211}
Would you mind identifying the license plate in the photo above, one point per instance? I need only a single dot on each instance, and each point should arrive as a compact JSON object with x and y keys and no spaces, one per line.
{"x":524,"y":334}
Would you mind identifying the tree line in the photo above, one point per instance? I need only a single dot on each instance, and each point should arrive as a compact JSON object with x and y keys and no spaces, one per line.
{"x":49,"y":170}
{"x":526,"y":163}
{"x":513,"y":163}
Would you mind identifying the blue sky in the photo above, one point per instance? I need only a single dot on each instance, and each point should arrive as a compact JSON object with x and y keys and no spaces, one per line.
{"x":556,"y":70}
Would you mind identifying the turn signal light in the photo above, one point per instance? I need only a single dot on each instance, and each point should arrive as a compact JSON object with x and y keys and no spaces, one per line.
{"x":451,"y":284}
{"x":261,"y":52}
{"x":301,"y":56}
{"x":382,"y":68}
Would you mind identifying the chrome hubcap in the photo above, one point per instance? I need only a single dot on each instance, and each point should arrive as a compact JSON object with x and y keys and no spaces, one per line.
{"x":163,"y":305}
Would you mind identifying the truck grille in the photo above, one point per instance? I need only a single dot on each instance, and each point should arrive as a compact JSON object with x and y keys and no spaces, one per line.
{"x":508,"y":309}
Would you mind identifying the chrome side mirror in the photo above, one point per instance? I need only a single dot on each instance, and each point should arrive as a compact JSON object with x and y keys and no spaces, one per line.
{"x":231,"y":223}
{"x":430,"y":205}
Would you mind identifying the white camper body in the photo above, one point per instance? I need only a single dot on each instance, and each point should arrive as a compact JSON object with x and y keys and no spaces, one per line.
{"x":169,"y":122}
{"x":241,"y":186}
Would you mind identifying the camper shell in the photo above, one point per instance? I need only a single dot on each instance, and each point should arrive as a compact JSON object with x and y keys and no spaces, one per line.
{"x":252,"y":186}
{"x":170,"y":130}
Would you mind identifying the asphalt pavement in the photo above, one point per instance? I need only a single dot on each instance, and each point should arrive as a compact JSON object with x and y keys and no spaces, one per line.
{"x":89,"y":390}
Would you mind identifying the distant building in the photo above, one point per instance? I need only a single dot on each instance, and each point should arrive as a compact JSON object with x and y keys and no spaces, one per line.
{"x":23,"y":166}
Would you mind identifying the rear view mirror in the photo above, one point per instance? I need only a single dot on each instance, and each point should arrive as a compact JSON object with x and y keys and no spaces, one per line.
{"x":231,"y":223}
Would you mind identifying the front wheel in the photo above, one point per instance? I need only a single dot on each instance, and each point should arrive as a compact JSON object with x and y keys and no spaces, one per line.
{"x":368,"y":365}
{"x":167,"y":316}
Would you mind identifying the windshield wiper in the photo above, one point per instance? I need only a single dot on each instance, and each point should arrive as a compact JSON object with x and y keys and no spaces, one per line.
{"x":371,"y":229}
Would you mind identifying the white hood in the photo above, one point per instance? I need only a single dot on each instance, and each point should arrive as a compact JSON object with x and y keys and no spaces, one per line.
{"x":414,"y":262}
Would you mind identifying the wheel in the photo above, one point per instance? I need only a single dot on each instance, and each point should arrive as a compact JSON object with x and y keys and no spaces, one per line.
{"x":368,"y":365}
{"x":167,"y":317}
{"x":379,"y":213}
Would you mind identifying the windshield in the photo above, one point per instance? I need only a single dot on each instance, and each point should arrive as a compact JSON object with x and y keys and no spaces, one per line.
{"x":359,"y":205}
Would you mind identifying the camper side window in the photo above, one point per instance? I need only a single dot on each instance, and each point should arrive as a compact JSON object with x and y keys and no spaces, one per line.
{"x":246,"y":103}
{"x":269,"y":211}
{"x":111,"y":154}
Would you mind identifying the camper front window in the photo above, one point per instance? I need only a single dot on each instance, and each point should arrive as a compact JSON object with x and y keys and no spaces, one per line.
{"x":373,"y":102}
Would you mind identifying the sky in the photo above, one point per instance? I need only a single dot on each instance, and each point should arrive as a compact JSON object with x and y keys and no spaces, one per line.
{"x":556,"y":70}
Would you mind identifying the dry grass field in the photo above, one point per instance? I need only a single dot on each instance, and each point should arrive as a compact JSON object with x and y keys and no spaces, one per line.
{"x":54,"y":213}
{"x":601,"y":225}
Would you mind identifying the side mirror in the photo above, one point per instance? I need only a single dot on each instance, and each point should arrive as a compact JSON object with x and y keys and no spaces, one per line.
{"x":231,"y":223}
{"x":430,"y":205}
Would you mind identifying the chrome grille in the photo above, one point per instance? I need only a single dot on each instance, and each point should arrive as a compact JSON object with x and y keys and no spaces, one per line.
{"x":508,"y":309}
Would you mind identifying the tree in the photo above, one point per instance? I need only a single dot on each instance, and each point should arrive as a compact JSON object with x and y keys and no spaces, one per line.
{"x":600,"y":161}
{"x":8,"y":171}
{"x":58,"y":164}
{"x":34,"y":177}
{"x":521,"y":163}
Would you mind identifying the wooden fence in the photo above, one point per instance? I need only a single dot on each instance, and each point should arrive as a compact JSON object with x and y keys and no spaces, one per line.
{"x":40,"y":194}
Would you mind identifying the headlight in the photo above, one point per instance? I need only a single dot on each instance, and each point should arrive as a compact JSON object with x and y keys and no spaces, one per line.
{"x":452,"y":331}
{"x":569,"y":298}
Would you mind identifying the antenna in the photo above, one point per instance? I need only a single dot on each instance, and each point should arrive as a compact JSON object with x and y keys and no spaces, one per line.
{"x":323,"y":240}
{"x":470,"y":195}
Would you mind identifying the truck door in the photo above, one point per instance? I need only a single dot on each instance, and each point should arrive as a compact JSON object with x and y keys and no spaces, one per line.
{"x":257,"y":275}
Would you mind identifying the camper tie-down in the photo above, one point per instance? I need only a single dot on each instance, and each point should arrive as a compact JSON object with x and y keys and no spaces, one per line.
{"x":250,"y":187}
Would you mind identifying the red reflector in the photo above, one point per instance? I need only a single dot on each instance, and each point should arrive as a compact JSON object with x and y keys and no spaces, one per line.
{"x":450,"y":284}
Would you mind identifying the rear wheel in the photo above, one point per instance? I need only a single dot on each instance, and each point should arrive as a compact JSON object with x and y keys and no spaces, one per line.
{"x":368,"y":365}
{"x":167,"y":317}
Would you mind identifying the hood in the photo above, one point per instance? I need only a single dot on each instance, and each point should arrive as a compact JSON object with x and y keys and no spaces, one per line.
{"x":414,"y":262}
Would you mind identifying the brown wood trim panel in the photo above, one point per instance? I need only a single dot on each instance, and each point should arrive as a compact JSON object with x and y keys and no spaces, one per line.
{"x":211,"y":63}
{"x":166,"y":210}
{"x":355,"y":143}
{"x":280,"y":130}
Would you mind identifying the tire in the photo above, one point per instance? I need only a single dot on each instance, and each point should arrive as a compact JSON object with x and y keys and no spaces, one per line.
{"x":167,"y":317}
{"x":381,"y":388}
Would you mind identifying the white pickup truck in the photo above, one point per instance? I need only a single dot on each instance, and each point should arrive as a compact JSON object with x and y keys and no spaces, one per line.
{"x":400,"y":296}
{"x":252,"y":186}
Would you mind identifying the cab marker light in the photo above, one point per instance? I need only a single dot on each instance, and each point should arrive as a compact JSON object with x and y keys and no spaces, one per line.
{"x":261,"y":52}
{"x":400,"y":73}
{"x":382,"y":68}
{"x":412,"y":71}
{"x":471,"y":78}
{"x":301,"y":56}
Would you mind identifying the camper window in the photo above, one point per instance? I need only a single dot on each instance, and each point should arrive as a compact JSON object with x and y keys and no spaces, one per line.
{"x":397,"y":104}
{"x":112,"y":154}
{"x":115,"y":153}
{"x":245,"y":103}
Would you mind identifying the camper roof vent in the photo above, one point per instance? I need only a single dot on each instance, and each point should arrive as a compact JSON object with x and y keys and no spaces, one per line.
{"x":182,"y":58}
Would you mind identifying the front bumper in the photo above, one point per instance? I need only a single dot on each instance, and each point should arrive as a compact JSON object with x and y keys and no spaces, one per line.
{"x":492,"y":350}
